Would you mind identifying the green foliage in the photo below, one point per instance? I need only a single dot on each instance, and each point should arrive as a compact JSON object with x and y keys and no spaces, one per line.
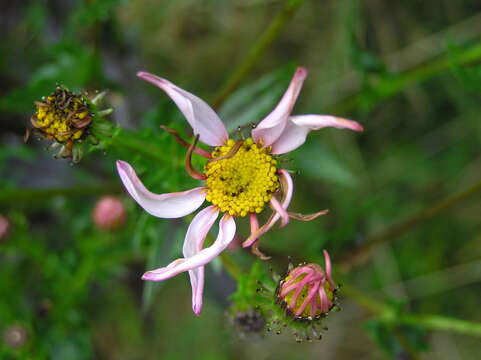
{"x":76,"y":289}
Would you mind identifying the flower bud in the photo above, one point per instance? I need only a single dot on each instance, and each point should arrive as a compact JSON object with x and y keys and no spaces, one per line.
{"x":307,"y":292}
{"x":4,"y":227}
{"x":15,"y":336}
{"x":109,"y":213}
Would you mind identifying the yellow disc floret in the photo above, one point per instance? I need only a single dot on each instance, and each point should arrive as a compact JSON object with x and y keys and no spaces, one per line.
{"x":241,"y":177}
{"x":62,"y":116}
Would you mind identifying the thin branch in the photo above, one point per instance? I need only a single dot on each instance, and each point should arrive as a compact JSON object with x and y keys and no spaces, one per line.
{"x":433,"y":322}
{"x":265,"y":40}
{"x":440,"y":323}
{"x":362,"y":253}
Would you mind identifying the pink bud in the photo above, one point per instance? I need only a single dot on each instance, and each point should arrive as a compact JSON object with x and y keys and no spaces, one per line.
{"x":109,"y":213}
{"x":4,"y":227}
{"x":15,"y":336}
{"x":308,"y":292}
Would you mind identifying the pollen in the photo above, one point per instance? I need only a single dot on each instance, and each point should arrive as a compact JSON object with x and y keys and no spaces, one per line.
{"x":241,"y":177}
{"x":62,"y":116}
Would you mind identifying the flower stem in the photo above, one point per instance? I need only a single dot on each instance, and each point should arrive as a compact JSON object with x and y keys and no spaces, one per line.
{"x":230,"y":265}
{"x":442,"y":323}
{"x":389,"y":315}
{"x":362,"y":253}
{"x":265,"y":40}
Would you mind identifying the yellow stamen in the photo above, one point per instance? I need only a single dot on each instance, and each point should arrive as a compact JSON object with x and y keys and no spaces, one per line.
{"x":242,"y":182}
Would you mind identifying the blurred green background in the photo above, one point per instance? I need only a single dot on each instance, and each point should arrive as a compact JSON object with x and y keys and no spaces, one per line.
{"x":409,"y":71}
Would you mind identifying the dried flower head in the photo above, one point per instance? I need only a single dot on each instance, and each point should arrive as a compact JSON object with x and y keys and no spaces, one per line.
{"x":248,"y":322}
{"x":109,"y":213}
{"x":66,"y":119}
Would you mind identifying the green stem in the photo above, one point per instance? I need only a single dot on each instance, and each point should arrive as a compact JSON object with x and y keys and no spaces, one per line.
{"x":433,"y":322}
{"x":389,"y":86}
{"x":363,"y":252}
{"x":230,"y":265}
{"x":256,"y":52}
{"x":440,"y":323}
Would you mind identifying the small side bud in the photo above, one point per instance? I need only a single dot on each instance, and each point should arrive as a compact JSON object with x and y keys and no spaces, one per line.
{"x":307,"y":292}
{"x":109,"y":213}
{"x":5,"y":226}
{"x":15,"y":336}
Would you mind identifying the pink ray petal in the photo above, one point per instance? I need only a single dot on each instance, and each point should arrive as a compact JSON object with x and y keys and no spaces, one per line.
{"x":324,"y":300}
{"x":254,"y":222}
{"x":276,"y":205}
{"x":312,"y":292}
{"x":269,"y":129}
{"x":328,"y":266}
{"x":203,"y":120}
{"x":170,"y":205}
{"x":226,"y":235}
{"x":193,"y":243}
{"x":297,"y":128}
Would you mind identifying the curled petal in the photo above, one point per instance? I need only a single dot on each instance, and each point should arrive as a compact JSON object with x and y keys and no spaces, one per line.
{"x":297,"y":128}
{"x":193,"y":243}
{"x":170,"y":205}
{"x":203,"y":120}
{"x":226,"y":235}
{"x":288,"y":188}
{"x":327,"y":261}
{"x":254,"y":222}
{"x":310,"y":297}
{"x":184,"y":143}
{"x":269,"y":129}
{"x":307,"y":217}
{"x":276,"y":205}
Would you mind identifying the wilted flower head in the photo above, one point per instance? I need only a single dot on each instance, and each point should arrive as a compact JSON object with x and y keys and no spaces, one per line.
{"x":4,"y":227}
{"x":240,"y":178}
{"x":109,"y":213}
{"x":307,"y":291}
{"x":248,"y":322}
{"x":66,"y":119}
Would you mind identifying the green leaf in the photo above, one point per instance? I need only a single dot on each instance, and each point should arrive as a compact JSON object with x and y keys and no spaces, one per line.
{"x":250,"y":103}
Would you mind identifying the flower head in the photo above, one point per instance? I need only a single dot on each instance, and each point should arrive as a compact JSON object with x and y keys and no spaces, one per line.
{"x":307,"y":291}
{"x":240,"y":177}
{"x":66,"y":119}
{"x":4,"y":227}
{"x":109,"y":213}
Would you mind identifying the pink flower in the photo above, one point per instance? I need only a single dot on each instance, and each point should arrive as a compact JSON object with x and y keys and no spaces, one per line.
{"x":240,"y":178}
{"x":4,"y":227}
{"x":307,"y":292}
{"x":109,"y":213}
